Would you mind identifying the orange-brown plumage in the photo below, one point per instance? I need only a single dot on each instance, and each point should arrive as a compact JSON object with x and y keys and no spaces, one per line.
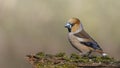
{"x":76,"y":23}
{"x":80,"y":39}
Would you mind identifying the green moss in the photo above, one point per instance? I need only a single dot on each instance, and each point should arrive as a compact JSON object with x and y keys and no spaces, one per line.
{"x":60,"y":54}
{"x":40,"y":55}
{"x":66,"y":65}
{"x":105,"y":59}
{"x":78,"y":58}
{"x":61,"y":60}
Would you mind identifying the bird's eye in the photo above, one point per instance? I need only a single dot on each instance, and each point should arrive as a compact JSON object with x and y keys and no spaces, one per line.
{"x":72,"y":24}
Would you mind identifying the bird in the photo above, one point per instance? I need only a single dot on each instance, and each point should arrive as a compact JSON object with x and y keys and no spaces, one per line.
{"x":81,"y":40}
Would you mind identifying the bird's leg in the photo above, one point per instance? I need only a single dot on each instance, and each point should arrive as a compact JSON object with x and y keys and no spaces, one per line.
{"x":86,"y":54}
{"x":89,"y":53}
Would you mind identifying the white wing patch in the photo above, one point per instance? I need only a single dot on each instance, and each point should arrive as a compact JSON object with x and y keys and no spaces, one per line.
{"x":80,"y":39}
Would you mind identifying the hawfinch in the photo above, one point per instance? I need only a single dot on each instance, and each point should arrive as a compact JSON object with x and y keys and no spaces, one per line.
{"x":80,"y":39}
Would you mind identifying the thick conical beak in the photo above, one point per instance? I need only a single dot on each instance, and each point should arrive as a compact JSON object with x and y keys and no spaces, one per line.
{"x":68,"y":25}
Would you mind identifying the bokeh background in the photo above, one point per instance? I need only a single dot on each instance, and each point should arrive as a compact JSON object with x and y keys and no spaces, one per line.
{"x":30,"y":26}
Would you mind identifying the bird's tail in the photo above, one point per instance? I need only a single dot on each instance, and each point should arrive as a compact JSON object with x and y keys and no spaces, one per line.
{"x":101,"y":52}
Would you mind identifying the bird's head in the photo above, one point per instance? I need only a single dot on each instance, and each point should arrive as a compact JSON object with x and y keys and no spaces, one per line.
{"x":73,"y":25}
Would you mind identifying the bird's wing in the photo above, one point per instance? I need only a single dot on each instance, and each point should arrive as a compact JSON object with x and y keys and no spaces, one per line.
{"x":90,"y":42}
{"x":82,"y":34}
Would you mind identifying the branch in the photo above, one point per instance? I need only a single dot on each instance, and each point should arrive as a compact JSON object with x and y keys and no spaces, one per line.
{"x":61,"y":60}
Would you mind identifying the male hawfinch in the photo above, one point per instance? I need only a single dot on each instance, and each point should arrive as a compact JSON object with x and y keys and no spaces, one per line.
{"x":80,"y":39}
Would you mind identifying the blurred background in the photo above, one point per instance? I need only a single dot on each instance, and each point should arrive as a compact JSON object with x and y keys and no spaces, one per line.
{"x":31,"y":26}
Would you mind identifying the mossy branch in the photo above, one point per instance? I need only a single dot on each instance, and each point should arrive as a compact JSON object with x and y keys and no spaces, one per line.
{"x":61,"y":60}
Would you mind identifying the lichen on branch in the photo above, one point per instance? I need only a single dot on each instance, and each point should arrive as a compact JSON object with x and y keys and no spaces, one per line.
{"x":61,"y":60}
